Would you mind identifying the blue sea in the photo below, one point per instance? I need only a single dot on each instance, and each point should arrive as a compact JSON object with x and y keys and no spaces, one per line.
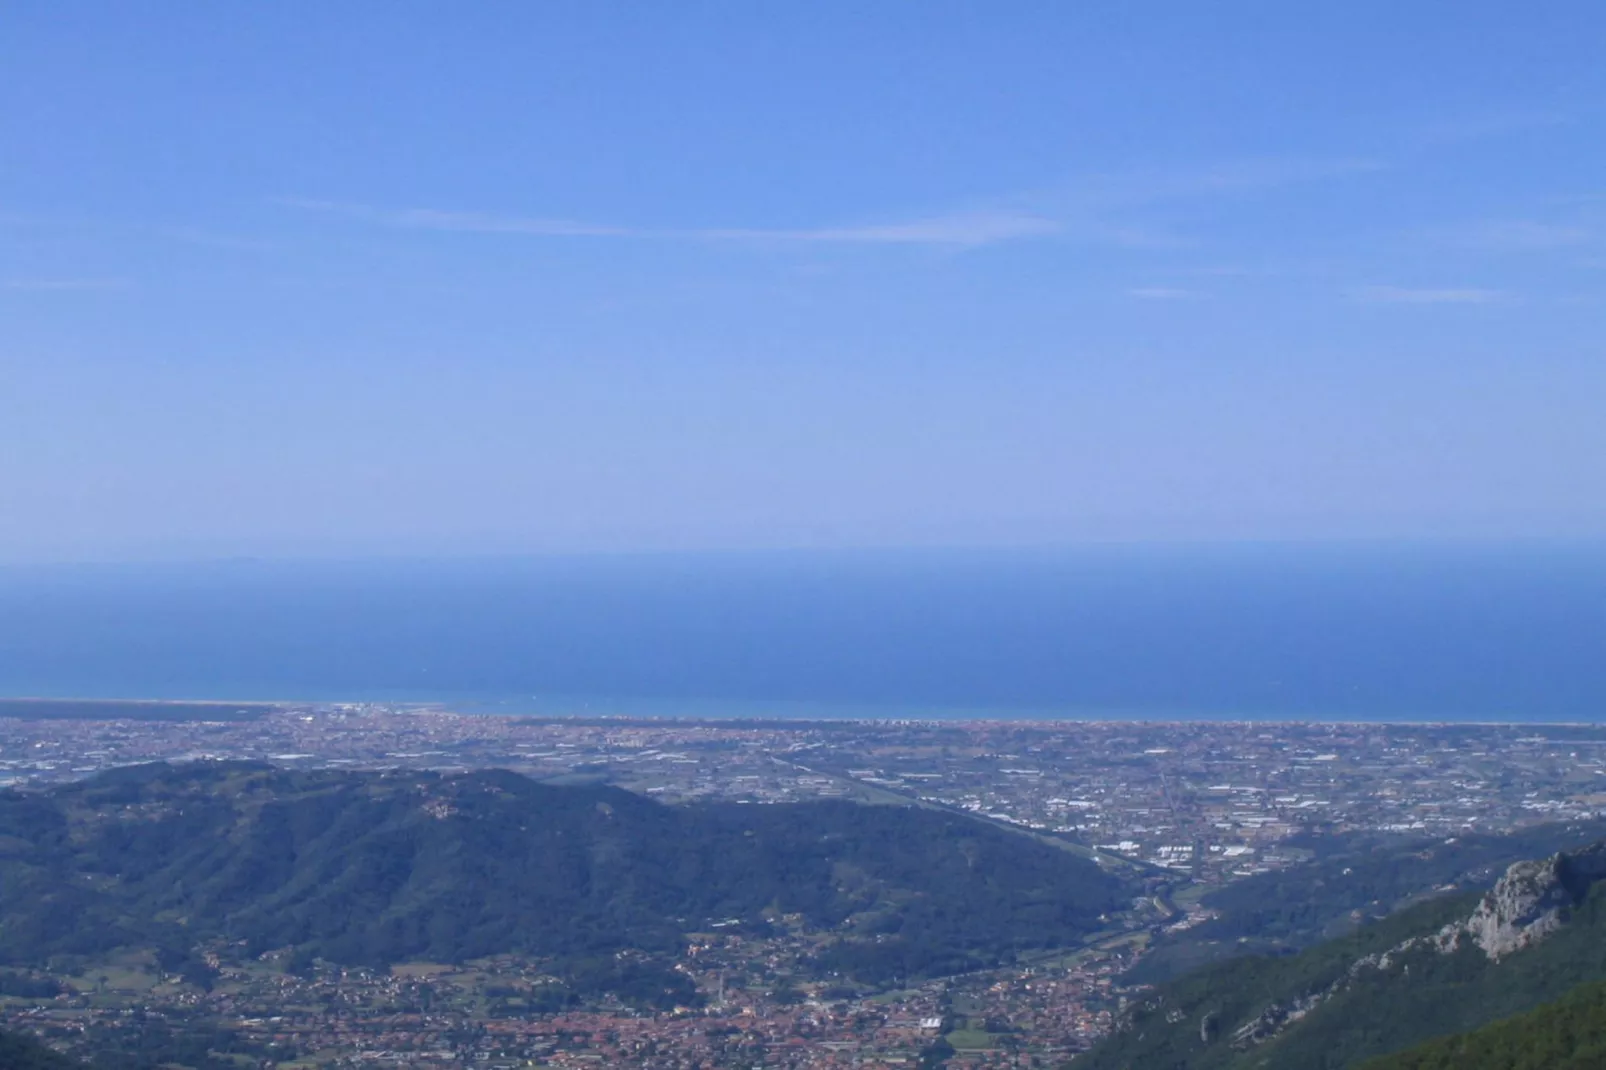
{"x":1435,"y":633}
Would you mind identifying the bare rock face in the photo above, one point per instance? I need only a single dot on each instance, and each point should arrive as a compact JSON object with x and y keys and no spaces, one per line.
{"x":1274,"y":1019}
{"x":1526,"y":905}
{"x":1530,"y":902}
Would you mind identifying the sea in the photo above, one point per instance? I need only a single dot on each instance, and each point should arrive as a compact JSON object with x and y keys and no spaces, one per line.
{"x":1442,"y":632}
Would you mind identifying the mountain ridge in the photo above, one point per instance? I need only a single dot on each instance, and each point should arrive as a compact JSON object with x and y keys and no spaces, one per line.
{"x":1444,"y":966}
{"x":374,"y":868}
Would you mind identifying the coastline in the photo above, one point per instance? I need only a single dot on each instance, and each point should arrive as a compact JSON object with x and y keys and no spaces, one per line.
{"x":627,"y":712}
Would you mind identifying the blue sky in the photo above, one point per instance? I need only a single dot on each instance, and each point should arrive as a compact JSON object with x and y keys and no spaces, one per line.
{"x":405,"y":278}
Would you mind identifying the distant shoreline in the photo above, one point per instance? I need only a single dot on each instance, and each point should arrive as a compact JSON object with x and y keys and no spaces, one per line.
{"x":1373,"y":637}
{"x":38,"y":707}
{"x":30,"y":708}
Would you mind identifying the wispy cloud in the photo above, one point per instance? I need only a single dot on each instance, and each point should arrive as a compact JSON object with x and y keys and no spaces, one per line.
{"x":1271,"y":172}
{"x":211,"y":239}
{"x":62,"y":285}
{"x":965,"y":228}
{"x":1126,"y":209}
{"x":1221,"y":271}
{"x":1406,"y":295}
{"x":1492,"y":125}
{"x":182,"y":233}
{"x":959,"y":229}
{"x":465,"y":222}
{"x":1509,"y":235}
{"x":1092,"y":210}
{"x":1161,"y":293}
{"x":1249,"y":174}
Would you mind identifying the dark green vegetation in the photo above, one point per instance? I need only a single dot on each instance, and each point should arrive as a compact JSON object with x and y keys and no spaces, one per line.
{"x":1351,"y":879}
{"x":20,"y":1052}
{"x":144,"y":1042}
{"x":54,"y":709}
{"x":1190,"y":1024}
{"x":380,"y":868}
{"x":1569,"y":1034}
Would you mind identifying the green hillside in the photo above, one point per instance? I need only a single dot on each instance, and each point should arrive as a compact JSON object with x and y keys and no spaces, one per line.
{"x":21,"y":1052}
{"x":1569,"y":1034}
{"x":1352,"y":878}
{"x":361,"y":868}
{"x":1319,"y":1011}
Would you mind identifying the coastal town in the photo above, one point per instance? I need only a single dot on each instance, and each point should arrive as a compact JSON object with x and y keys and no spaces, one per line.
{"x":1214,"y":798}
{"x":1194,"y":805}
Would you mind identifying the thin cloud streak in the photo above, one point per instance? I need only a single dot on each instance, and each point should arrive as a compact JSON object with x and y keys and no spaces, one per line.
{"x":182,"y":233}
{"x":1509,"y":235}
{"x":481,"y":223}
{"x":960,"y":229}
{"x":1108,"y":207}
{"x":976,"y":228}
{"x":62,"y":285}
{"x":1082,"y":212}
{"x":1404,"y":295}
{"x":209,"y":239}
{"x":1161,"y":293}
{"x":1260,"y":173}
{"x":1495,"y":125}
{"x":1224,"y":178}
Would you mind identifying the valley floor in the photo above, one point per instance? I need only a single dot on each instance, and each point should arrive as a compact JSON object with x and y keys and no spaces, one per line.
{"x":479,"y":1014}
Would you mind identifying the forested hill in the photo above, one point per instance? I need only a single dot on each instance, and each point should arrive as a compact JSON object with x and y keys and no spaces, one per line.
{"x":1353,"y":877}
{"x":1442,"y":967}
{"x":20,"y":1052}
{"x":1569,"y":1034}
{"x":374,"y":868}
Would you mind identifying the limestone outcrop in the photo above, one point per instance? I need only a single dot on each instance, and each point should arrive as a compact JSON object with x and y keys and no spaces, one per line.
{"x":1529,"y":903}
{"x":1526,"y":905}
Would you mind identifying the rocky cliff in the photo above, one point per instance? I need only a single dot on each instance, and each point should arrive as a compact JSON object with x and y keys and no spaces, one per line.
{"x":1529,"y":903}
{"x":1444,"y":965}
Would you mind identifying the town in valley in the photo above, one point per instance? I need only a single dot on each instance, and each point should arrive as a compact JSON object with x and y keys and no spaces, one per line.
{"x":1190,"y":806}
